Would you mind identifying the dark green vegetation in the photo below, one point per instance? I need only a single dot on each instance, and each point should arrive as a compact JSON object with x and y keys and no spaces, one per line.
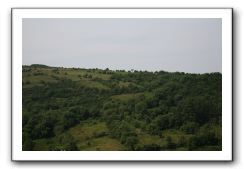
{"x":92,"y":109}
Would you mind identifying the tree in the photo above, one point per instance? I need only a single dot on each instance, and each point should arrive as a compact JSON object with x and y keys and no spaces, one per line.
{"x":27,"y":142}
{"x":70,"y":119}
{"x":169,"y":143}
{"x":189,"y":127}
{"x":131,"y":141}
{"x":141,"y":107}
{"x":65,"y":142}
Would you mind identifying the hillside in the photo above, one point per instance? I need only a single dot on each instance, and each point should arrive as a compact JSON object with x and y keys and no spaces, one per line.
{"x":71,"y":109}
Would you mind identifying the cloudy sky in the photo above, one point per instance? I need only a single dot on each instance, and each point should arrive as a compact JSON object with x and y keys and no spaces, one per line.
{"x":185,"y":45}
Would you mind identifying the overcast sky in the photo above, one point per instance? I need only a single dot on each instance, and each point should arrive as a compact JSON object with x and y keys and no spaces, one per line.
{"x":185,"y":45}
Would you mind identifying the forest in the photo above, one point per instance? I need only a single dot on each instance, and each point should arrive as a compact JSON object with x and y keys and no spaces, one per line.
{"x":77,"y":109}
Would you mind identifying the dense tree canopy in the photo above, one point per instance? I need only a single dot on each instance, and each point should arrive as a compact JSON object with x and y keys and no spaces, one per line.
{"x":138,"y":110}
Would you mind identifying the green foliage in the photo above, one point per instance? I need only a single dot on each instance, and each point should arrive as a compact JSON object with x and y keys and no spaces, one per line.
{"x":205,"y":136}
{"x":138,"y":110}
{"x":190,"y":127}
{"x":64,"y":142}
{"x":170,"y":144}
{"x":27,"y":142}
{"x":149,"y":147}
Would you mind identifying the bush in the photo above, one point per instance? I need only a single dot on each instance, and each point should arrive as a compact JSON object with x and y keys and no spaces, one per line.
{"x":189,"y":127}
{"x":170,"y":144}
{"x":150,"y":147}
{"x":65,"y":142}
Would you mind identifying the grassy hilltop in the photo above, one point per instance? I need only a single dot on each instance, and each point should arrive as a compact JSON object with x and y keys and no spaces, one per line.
{"x":70,"y":109}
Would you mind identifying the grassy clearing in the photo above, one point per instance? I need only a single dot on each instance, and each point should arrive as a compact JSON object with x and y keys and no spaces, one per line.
{"x":90,"y":136}
{"x":50,"y":75}
{"x":146,"y":139}
{"x":93,"y":136}
{"x":102,"y":144}
{"x":88,"y":130}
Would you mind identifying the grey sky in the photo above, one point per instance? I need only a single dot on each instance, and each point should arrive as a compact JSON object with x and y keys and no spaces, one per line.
{"x":185,"y":45}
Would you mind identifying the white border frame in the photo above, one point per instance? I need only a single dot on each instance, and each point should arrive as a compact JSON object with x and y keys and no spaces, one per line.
{"x":18,"y":155}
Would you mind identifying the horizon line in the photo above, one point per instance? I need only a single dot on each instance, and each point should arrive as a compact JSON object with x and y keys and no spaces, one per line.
{"x":131,"y":70}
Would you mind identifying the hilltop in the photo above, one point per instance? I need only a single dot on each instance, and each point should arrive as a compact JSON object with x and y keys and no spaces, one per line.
{"x":94,"y":109}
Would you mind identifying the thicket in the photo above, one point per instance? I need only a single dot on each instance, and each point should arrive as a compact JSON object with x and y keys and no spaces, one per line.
{"x":151,"y":102}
